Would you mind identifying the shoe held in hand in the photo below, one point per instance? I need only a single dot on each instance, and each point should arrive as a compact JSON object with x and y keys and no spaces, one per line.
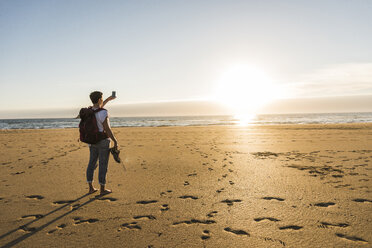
{"x":115,"y":153}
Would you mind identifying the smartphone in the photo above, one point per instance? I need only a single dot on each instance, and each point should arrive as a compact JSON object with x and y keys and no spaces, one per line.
{"x":113,"y":94}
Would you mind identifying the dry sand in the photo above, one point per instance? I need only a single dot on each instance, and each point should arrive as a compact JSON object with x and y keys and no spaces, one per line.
{"x":215,"y":186}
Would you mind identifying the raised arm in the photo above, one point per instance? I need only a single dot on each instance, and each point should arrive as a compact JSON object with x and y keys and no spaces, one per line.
{"x":107,"y":100}
{"x":107,"y":127}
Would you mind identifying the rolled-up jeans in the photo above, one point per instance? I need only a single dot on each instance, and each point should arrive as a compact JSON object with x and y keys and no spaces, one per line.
{"x":100,"y":151}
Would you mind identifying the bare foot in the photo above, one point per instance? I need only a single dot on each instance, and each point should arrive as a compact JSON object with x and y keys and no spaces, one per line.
{"x":106,"y":191}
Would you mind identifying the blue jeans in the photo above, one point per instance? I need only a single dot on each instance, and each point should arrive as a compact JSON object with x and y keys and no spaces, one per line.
{"x":100,"y":151}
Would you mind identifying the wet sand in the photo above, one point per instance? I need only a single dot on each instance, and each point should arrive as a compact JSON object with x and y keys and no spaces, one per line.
{"x":214,"y":186}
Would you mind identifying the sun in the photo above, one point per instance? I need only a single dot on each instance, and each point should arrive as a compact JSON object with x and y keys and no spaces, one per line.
{"x":245,"y":89}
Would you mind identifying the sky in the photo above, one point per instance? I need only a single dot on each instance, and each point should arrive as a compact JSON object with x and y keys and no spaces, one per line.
{"x":54,"y":53}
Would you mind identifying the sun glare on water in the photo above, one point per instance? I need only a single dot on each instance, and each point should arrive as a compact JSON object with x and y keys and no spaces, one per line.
{"x":245,"y":89}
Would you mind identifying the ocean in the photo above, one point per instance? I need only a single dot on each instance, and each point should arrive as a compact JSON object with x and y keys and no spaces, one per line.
{"x":53,"y":123}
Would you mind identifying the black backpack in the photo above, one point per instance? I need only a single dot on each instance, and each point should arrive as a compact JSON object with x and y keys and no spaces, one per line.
{"x":89,"y":132}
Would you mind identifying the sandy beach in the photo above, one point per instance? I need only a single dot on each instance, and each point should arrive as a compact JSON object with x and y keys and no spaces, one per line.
{"x":211,"y":186}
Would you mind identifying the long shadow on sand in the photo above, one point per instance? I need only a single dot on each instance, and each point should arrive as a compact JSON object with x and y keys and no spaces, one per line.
{"x":34,"y":231}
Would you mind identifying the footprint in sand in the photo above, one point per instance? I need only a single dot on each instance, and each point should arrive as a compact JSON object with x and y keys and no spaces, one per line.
{"x":164,"y":193}
{"x":61,"y":226}
{"x":274,"y":240}
{"x":149,"y":217}
{"x":33,"y":216}
{"x":352,"y":238}
{"x":165,"y":207}
{"x":194,"y":221}
{"x":206,"y":235}
{"x":38,"y":197}
{"x":18,"y":173}
{"x":132,"y":225}
{"x":236,"y":231}
{"x":291,"y":227}
{"x":188,"y":197}
{"x":63,"y":202}
{"x":52,"y":231}
{"x":265,"y":218}
{"x":220,"y":190}
{"x":231,"y":202}
{"x":110,"y":199}
{"x":146,"y":202}
{"x":362,"y":200}
{"x":27,"y":229}
{"x":324,"y":204}
{"x":212,"y":214}
{"x":326,"y":225}
{"x":56,"y":229}
{"x":79,"y":220}
{"x":342,"y":186}
{"x":273,"y":198}
{"x":363,"y":180}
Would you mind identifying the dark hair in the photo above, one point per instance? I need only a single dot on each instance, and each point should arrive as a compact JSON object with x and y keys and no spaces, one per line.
{"x":95,"y":96}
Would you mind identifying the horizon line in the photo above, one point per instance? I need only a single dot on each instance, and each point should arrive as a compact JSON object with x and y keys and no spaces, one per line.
{"x":158,"y":116}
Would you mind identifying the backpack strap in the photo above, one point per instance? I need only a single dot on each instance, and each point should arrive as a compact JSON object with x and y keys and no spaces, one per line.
{"x":97,"y":110}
